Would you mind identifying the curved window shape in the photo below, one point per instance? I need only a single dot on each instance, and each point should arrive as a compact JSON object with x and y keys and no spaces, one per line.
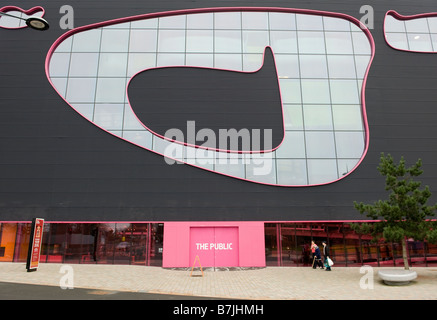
{"x":7,"y":22}
{"x":322,"y":61}
{"x":416,"y":33}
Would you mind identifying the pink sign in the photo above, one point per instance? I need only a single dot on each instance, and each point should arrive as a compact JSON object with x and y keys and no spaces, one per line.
{"x":215,"y":246}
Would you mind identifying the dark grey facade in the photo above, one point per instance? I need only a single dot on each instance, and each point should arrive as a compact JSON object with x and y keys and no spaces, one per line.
{"x":55,"y":165}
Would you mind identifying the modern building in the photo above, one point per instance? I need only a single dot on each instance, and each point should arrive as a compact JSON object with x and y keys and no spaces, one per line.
{"x":167,"y":133}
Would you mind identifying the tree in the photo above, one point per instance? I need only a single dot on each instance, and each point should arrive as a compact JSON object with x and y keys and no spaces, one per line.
{"x":405,"y":214}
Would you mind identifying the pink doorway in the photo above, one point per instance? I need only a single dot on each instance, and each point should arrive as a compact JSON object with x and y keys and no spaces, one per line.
{"x":215,"y":246}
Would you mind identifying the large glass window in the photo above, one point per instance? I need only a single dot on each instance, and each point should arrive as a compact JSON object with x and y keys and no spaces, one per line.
{"x":321,"y":63}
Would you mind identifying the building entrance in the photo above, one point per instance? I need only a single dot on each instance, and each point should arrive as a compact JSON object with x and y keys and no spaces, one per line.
{"x":215,"y":246}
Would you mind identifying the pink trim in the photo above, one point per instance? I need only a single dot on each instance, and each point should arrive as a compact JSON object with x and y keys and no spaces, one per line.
{"x":29,"y":12}
{"x":399,"y":16}
{"x":232,"y":9}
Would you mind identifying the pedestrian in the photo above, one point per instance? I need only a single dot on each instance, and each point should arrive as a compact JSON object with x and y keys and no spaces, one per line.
{"x":326,"y":255}
{"x":317,"y":260}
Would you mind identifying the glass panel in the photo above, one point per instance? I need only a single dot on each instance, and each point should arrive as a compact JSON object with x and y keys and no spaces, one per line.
{"x":352,"y":244}
{"x":431,"y":254}
{"x":416,"y":253}
{"x":369,"y":251}
{"x":349,"y":144}
{"x":112,"y":65}
{"x":142,"y":41}
{"x":361,"y":64}
{"x":230,"y":164}
{"x":318,"y":117}
{"x":142,"y":138}
{"x":289,"y":253}
{"x":81,"y":243}
{"x":321,"y":171}
{"x":338,"y":43}
{"x":309,"y":22}
{"x":114,"y":40}
{"x":336,"y":24}
{"x":156,"y":244}
{"x":145,"y":24}
{"x":303,"y":244}
{"x":311,"y":42}
{"x":172,"y":22}
{"x":320,"y":144}
{"x":59,"y":64}
{"x":252,"y":62}
{"x":22,"y":242}
{"x":84,"y":64}
{"x":81,"y":90}
{"x":336,"y":244}
{"x":200,"y":60}
{"x":432,"y":24}
{"x":291,"y":172}
{"x":293,"y":145}
{"x":361,"y":43}
{"x":171,"y":41}
{"x":140,"y":237}
{"x":342,"y":66}
{"x":227,"y":20}
{"x":344,"y":91}
{"x":394,"y":25}
{"x":290,"y":90}
{"x":261,"y":168}
{"x":123,"y":243}
{"x":109,"y":116}
{"x":385,"y":254}
{"x":315,"y":91}
{"x":271,"y":246}
{"x":419,"y":25}
{"x":87,"y":41}
{"x":397,"y":40}
{"x":227,"y":41}
{"x":346,"y":165}
{"x":228,"y":61}
{"x":420,"y":42}
{"x":313,"y":66}
{"x":200,"y":41}
{"x":255,"y":41}
{"x":57,"y":242}
{"x":139,"y":62}
{"x":283,"y":41}
{"x":282,"y":21}
{"x":8,"y":234}
{"x":255,"y":20}
{"x":287,"y":66}
{"x":170,"y":59}
{"x":105,"y":243}
{"x":200,"y":21}
{"x":293,"y":119}
{"x":111,"y":90}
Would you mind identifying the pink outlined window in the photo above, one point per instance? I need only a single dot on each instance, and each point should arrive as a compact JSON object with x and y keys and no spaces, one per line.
{"x":7,"y":22}
{"x":322,"y":60}
{"x":416,"y":33}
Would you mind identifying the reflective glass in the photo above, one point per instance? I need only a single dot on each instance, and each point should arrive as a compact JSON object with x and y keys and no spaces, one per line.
{"x":393,"y":25}
{"x":315,"y":91}
{"x":227,"y":20}
{"x":59,"y":65}
{"x":336,"y":24}
{"x":227,"y":41}
{"x":88,"y":41}
{"x":114,"y":40}
{"x":109,"y":116}
{"x":321,"y":170}
{"x":417,"y":25}
{"x":317,"y":117}
{"x":347,"y":117}
{"x":361,"y":43}
{"x":309,"y":22}
{"x":81,"y":90}
{"x":293,"y":146}
{"x":84,"y":64}
{"x":287,"y":66}
{"x":139,"y":137}
{"x":255,"y":41}
{"x":142,"y":40}
{"x":311,"y":42}
{"x":344,"y":91}
{"x":320,"y":145}
{"x":349,"y":144}
{"x":292,"y":117}
{"x":397,"y":40}
{"x":200,"y":60}
{"x":255,"y":20}
{"x":112,"y":65}
{"x":261,"y":168}
{"x":292,"y":171}
{"x":228,"y":61}
{"x":283,"y":41}
{"x":200,"y":21}
{"x":290,"y":90}
{"x":172,"y":22}
{"x":200,"y":41}
{"x":420,"y":42}
{"x":432,"y":24}
{"x":171,"y":41}
{"x":313,"y":66}
{"x":342,"y":66}
{"x":85,"y":109}
{"x":282,"y":21}
{"x":252,"y":62}
{"x":140,"y":61}
{"x":111,"y":90}
{"x":338,"y":43}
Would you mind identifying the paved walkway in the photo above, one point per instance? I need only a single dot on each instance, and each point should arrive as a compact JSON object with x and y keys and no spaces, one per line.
{"x":277,"y":283}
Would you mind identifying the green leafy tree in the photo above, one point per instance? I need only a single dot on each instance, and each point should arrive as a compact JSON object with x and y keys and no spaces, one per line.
{"x":405,"y":214}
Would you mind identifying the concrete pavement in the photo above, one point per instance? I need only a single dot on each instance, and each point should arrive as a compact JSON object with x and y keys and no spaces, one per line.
{"x":271,"y":283}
